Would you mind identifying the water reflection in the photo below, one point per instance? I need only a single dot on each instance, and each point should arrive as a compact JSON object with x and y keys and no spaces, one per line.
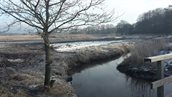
{"x":140,"y":88}
{"x":106,"y":81}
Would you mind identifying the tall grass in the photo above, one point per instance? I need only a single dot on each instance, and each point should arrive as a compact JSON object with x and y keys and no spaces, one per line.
{"x":143,"y":49}
{"x":90,"y":56}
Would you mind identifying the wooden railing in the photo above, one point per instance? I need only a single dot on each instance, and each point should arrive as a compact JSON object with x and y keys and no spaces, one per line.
{"x":159,"y":84}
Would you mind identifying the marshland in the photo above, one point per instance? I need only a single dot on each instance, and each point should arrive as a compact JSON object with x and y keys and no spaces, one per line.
{"x":91,"y":48}
{"x":96,"y":68}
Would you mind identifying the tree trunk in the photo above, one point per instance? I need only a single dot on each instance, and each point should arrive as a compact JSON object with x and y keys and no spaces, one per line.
{"x":48,"y":60}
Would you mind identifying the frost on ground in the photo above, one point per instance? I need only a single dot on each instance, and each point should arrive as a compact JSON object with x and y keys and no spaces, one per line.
{"x":65,"y":47}
{"x":22,"y":73}
{"x":22,"y":67}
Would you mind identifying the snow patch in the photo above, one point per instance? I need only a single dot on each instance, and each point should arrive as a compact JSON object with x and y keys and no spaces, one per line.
{"x":65,"y":47}
{"x":15,"y":60}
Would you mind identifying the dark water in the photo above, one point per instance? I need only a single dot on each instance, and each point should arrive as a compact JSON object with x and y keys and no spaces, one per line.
{"x":106,"y":81}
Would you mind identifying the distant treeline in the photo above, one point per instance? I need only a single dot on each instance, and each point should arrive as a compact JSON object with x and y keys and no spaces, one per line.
{"x":102,"y":29}
{"x":158,"y":21}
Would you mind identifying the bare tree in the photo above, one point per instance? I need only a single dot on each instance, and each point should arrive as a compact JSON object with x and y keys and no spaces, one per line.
{"x":50,"y":16}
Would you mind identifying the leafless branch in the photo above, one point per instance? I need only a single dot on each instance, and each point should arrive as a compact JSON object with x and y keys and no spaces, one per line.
{"x":51,"y":15}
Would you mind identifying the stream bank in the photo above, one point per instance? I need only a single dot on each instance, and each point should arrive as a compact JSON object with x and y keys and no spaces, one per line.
{"x":104,"y":80}
{"x":90,"y":56}
{"x":22,"y":68}
{"x":135,"y":66}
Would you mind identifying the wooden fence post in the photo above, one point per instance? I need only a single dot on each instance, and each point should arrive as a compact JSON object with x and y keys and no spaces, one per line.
{"x":159,"y":84}
{"x":160,"y":90}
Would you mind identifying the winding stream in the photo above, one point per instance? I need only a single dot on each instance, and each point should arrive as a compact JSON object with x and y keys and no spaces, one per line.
{"x":104,"y":80}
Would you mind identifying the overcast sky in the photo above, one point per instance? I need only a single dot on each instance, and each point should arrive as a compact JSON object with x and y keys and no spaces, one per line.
{"x":131,"y":9}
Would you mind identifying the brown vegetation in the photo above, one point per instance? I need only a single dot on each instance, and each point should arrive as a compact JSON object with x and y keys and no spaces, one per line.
{"x":143,"y":49}
{"x":22,"y":69}
{"x":24,"y":77}
{"x":58,"y":37}
{"x":19,"y":37}
{"x":87,"y":57}
{"x":134,"y":65}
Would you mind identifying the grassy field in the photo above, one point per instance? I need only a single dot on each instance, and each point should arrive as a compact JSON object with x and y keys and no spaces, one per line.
{"x":19,"y":37}
{"x":59,"y":37}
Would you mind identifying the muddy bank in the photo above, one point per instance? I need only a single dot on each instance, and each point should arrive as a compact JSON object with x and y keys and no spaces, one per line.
{"x":22,"y":68}
{"x":147,"y":72}
{"x":144,"y":72}
{"x":135,"y":66}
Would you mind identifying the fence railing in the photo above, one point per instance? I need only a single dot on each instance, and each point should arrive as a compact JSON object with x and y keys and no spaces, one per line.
{"x":159,"y":84}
